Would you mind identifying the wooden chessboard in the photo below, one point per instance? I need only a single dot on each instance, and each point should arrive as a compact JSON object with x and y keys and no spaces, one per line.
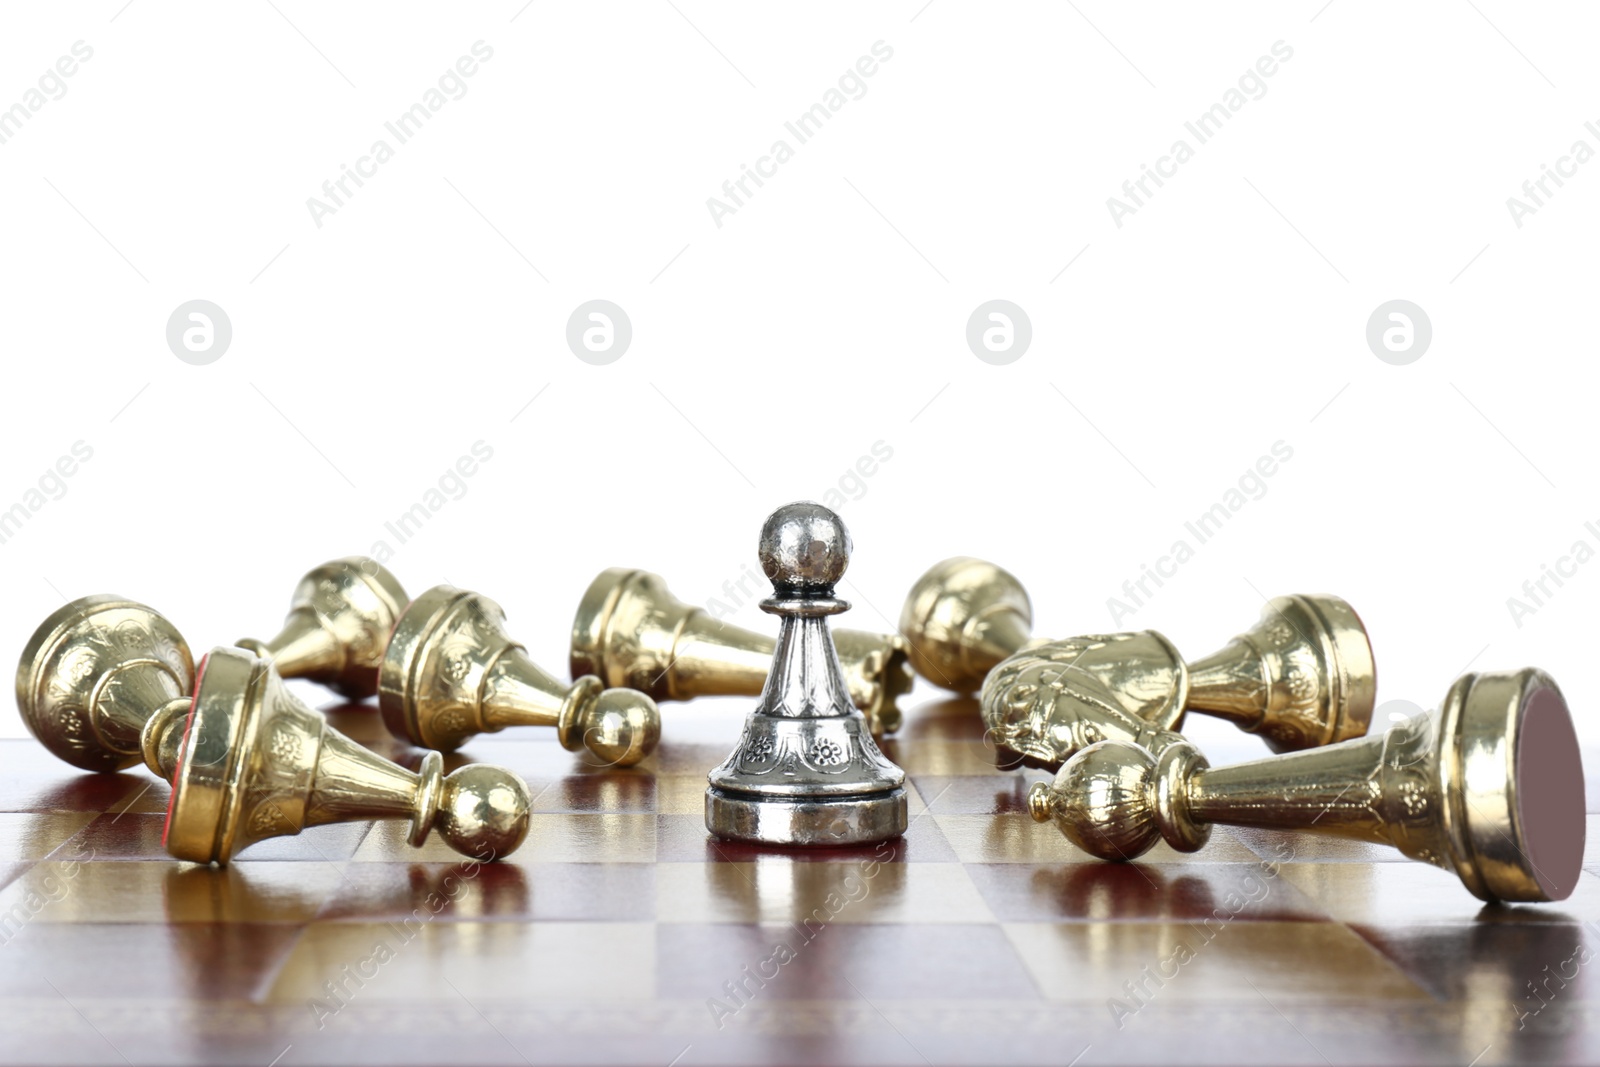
{"x":622,"y":934}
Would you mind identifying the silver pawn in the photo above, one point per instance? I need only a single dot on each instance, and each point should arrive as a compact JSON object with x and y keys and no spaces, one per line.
{"x":806,"y":771}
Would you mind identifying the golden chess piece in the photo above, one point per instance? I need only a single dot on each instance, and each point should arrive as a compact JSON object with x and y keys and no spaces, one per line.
{"x":631,"y":631}
{"x":1490,"y":787}
{"x":1302,"y":677}
{"x":451,"y":672}
{"x":340,"y":618}
{"x":93,"y":673}
{"x":962,"y":618}
{"x":245,"y":758}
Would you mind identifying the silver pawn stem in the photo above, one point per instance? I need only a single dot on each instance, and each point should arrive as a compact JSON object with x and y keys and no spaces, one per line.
{"x":806,"y":771}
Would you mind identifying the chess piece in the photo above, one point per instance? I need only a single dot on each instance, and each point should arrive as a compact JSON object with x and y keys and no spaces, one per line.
{"x":340,"y":618}
{"x":451,"y":672}
{"x":93,"y":673}
{"x":806,"y":771}
{"x":631,"y":631}
{"x":1490,"y":787}
{"x":105,"y":682}
{"x":961,"y":619}
{"x":1302,"y":677}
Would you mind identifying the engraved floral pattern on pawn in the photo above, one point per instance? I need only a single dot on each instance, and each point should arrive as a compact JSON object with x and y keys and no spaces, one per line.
{"x":72,"y":722}
{"x":1278,"y":634}
{"x":451,"y":723}
{"x":1413,"y":797}
{"x":285,"y":745}
{"x":268,"y":820}
{"x":827,"y":752}
{"x":1301,"y":685}
{"x":455,"y":664}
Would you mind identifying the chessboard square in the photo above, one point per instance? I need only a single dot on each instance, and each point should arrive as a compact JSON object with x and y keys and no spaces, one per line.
{"x":507,"y":891}
{"x":986,"y":839}
{"x":944,"y":719}
{"x":423,"y":960}
{"x":329,"y":843}
{"x":681,"y":794}
{"x":1215,"y":960}
{"x":51,"y":1031}
{"x":382,"y":1033}
{"x":941,"y":759}
{"x":778,"y":890}
{"x":685,"y":839}
{"x":1286,"y":846}
{"x":28,"y":836}
{"x":988,"y":794}
{"x":10,"y":872}
{"x":748,"y":1039}
{"x":121,"y":836}
{"x":534,"y":754}
{"x":33,"y":781}
{"x":159,"y":961}
{"x":1093,"y":891}
{"x":149,"y":799}
{"x":603,"y":791}
{"x":1394,"y":893}
{"x":1530,"y":965}
{"x":162,"y":891}
{"x":687,"y":759}
{"x":590,"y":838}
{"x":816,"y":961}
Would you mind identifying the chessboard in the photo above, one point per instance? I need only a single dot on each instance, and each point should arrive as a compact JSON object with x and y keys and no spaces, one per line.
{"x":621,"y":933}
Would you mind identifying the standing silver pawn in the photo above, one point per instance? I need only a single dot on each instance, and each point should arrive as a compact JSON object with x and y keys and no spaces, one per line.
{"x":806,"y":771}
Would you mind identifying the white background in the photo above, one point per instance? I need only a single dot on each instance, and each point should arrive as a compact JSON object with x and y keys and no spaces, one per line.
{"x":827,"y":314}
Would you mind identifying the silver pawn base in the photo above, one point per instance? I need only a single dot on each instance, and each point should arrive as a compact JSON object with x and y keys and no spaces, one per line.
{"x":809,"y":823}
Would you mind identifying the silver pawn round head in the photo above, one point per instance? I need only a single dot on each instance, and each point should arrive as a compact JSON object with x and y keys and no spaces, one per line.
{"x":805,"y":548}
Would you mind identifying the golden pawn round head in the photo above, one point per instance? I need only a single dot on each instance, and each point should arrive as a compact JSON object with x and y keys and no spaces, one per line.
{"x":93,"y":673}
{"x":339,"y":622}
{"x":452,"y":672}
{"x":961,"y":619}
{"x":630,"y":630}
{"x":1105,"y":799}
{"x":248,"y":761}
{"x":620,"y":726}
{"x":1489,"y":787}
{"x":483,"y":809}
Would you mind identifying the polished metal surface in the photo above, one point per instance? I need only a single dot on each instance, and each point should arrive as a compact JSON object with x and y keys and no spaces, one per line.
{"x":631,"y":631}
{"x":249,"y":761}
{"x":961,"y":619}
{"x":451,"y":672}
{"x":340,"y":618}
{"x":806,"y":771}
{"x":107,"y":682}
{"x":1303,"y":676}
{"x":1489,"y":787}
{"x":93,"y":673}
